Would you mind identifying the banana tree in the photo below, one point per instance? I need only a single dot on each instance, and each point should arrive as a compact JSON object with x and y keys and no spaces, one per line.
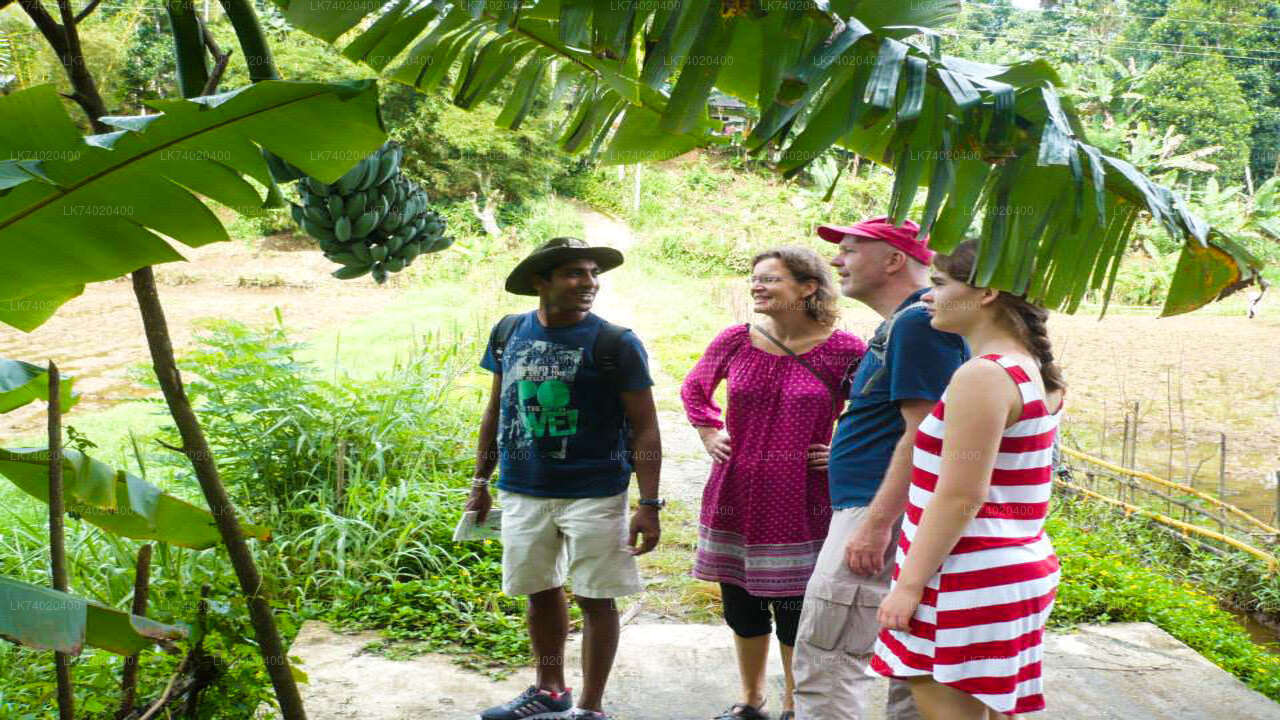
{"x":114,"y":500}
{"x":76,"y":209}
{"x":993,"y":145}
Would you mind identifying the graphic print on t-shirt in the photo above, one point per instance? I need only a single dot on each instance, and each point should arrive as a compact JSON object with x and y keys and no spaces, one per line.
{"x":540,"y":374}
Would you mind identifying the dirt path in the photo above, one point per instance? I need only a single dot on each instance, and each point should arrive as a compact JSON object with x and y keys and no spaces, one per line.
{"x":685,"y":464}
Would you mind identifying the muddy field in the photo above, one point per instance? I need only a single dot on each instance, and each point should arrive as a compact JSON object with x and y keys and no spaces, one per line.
{"x":98,"y":336}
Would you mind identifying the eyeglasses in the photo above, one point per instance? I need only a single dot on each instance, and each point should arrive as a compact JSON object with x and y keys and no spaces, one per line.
{"x":765,"y":279}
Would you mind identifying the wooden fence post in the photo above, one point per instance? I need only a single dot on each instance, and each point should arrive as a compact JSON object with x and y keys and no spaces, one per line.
{"x":1133,"y":447}
{"x":1124,"y":445}
{"x":1275,"y":518}
{"x":57,"y":545}
{"x":1222,"y":477}
{"x":1222,"y":466}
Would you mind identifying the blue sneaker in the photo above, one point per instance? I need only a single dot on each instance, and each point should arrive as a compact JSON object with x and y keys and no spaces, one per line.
{"x":532,"y":704}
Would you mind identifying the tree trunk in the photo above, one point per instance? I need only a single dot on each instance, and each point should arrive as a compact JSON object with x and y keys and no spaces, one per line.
{"x":196,"y":448}
{"x":64,"y":39}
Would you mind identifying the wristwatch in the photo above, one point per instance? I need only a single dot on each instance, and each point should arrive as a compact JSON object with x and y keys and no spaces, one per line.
{"x":656,"y":502}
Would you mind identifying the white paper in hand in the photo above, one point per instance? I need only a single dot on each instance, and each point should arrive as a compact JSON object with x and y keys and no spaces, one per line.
{"x":469,"y":529}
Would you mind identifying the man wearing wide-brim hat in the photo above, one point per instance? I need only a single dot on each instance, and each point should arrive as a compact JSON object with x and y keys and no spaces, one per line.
{"x":570,"y":415}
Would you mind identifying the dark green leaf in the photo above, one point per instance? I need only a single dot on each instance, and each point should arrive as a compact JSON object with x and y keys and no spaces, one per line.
{"x":688,"y":102}
{"x":152,"y":179}
{"x":677,"y":35}
{"x":116,"y":501}
{"x":22,"y":382}
{"x":526,"y":89}
{"x":882,"y":88}
{"x":962,"y":91}
{"x":575,"y":22}
{"x":328,"y":21}
{"x":914,"y":100}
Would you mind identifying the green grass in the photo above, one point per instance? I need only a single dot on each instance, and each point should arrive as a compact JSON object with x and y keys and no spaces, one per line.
{"x":1119,"y":570}
{"x":670,"y":590}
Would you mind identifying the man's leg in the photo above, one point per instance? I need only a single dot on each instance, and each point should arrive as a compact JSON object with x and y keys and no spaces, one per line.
{"x":548,"y":627}
{"x":600,"y":569}
{"x":533,"y":564}
{"x":600,"y":630}
{"x":837,"y":632}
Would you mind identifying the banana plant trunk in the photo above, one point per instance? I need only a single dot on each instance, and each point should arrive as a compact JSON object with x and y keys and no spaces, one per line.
{"x":64,"y":39}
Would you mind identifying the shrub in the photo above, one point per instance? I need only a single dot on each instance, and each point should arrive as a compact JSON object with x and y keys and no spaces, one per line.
{"x":1105,"y":579}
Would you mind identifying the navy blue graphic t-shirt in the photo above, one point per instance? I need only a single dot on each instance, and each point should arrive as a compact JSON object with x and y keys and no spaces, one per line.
{"x":918,"y":363}
{"x":561,"y":427}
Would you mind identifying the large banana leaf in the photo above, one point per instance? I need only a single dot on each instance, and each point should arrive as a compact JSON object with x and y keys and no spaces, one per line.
{"x":46,"y":619}
{"x":116,"y":501}
{"x":93,"y":208}
{"x":996,"y":147}
{"x":22,"y":382}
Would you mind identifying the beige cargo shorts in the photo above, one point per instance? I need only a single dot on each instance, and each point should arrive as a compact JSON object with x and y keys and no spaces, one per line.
{"x":838,"y":630}
{"x":546,"y":539}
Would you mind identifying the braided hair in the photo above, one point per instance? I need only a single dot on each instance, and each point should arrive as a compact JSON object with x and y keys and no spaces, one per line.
{"x":1026,"y":320}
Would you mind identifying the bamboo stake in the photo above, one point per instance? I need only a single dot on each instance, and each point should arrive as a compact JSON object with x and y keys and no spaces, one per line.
{"x":1222,"y":473}
{"x":1133,"y":446}
{"x":1168,"y":385}
{"x":1275,"y":520}
{"x":57,"y":541}
{"x":141,"y":593}
{"x":1222,"y":466}
{"x":1124,"y":445}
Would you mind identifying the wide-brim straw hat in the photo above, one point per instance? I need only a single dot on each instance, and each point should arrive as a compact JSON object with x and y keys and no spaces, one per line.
{"x":554,"y":252}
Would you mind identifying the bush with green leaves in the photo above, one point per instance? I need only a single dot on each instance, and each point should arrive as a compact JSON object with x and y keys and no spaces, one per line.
{"x":99,"y":564}
{"x":1121,"y":571}
{"x":356,"y":545}
{"x":278,"y":428}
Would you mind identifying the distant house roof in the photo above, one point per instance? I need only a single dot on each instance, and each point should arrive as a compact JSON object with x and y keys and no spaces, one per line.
{"x":721,"y":100}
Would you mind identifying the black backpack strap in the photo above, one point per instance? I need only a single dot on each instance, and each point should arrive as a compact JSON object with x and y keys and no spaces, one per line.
{"x":500,"y":334}
{"x":607,"y":351}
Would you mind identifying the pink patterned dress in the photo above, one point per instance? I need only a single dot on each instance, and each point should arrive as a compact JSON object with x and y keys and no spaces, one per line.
{"x":764,"y":512}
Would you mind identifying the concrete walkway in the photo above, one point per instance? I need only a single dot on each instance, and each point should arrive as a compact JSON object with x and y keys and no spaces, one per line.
{"x":1129,"y":671}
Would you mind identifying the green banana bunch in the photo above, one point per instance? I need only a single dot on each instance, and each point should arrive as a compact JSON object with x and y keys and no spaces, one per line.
{"x":372,"y":220}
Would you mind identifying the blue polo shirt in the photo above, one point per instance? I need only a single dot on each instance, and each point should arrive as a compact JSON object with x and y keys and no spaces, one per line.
{"x":561,"y":427}
{"x":918,"y":363}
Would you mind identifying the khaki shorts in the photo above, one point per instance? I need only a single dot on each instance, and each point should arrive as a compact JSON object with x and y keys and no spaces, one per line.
{"x":541,"y":537}
{"x":840,"y":607}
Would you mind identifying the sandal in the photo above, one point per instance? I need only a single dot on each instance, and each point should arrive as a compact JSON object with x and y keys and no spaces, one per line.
{"x":742,"y":711}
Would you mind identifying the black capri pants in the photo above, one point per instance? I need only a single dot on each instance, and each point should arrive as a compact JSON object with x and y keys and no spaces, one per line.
{"x":748,"y":615}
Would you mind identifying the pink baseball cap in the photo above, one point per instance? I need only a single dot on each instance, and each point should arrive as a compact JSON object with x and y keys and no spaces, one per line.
{"x":902,"y":237}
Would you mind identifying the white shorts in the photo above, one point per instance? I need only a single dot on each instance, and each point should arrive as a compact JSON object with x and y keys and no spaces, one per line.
{"x":541,"y":535}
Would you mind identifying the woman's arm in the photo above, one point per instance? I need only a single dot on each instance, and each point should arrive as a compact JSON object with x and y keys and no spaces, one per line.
{"x":699,"y":387}
{"x":979,"y":401}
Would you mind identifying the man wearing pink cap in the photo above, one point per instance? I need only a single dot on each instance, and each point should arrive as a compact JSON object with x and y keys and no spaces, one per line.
{"x":902,"y":376}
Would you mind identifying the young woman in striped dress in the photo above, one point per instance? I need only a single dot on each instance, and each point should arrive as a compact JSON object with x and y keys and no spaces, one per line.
{"x":976,"y":575}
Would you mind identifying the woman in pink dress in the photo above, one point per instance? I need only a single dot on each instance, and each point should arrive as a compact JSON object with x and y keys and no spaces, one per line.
{"x":766,"y":506}
{"x":976,"y":575}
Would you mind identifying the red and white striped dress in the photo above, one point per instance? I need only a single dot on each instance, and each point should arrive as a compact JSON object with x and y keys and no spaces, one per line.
{"x":980,"y":623}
